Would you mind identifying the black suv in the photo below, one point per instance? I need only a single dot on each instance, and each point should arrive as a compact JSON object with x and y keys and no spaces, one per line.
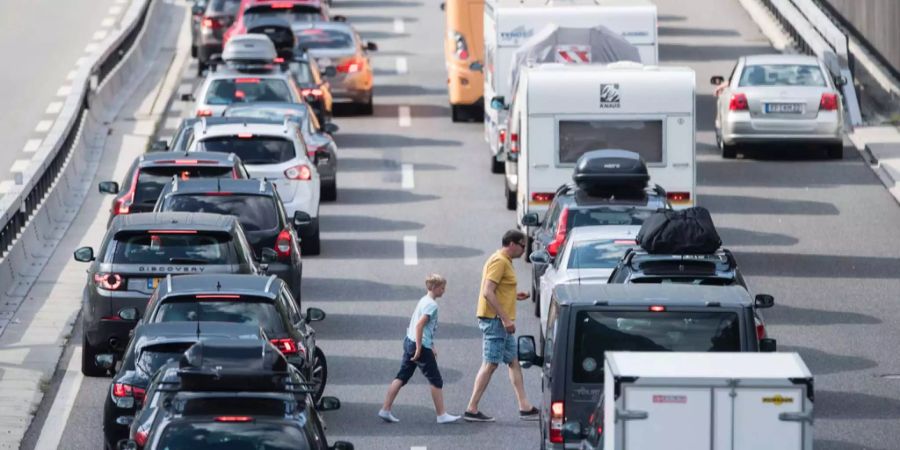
{"x":151,"y":347}
{"x":264,"y":301}
{"x":257,"y":206}
{"x":587,"y":320}
{"x":137,"y":252}
{"x":230,"y":394}
{"x":150,"y":172}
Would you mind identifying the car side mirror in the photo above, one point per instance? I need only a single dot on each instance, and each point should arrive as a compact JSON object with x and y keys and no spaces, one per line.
{"x":268,"y":255}
{"x":329,"y":71}
{"x":573,"y":430}
{"x":531,"y":220}
{"x":840,"y":81}
{"x":129,"y":314}
{"x":105,"y":360}
{"x":716,"y":80}
{"x":84,"y":254}
{"x":339,"y":18}
{"x":328,"y":403}
{"x":197,"y":9}
{"x":187,"y":97}
{"x":314,"y":315}
{"x":768,"y":345}
{"x":108,"y":187}
{"x":159,"y":146}
{"x":540,"y":257}
{"x":371,"y":46}
{"x":301,"y":219}
{"x":498,"y":103}
{"x":528,"y":353}
{"x":126,"y":444}
{"x":764,"y":301}
{"x":341,"y":445}
{"x":330,"y":128}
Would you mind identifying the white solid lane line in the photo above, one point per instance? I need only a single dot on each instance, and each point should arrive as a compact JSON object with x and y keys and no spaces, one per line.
{"x":402,"y":66}
{"x":410,"y":251}
{"x":6,"y":186}
{"x":32,"y":145}
{"x":43,"y":126}
{"x":404,"y":118}
{"x":399,"y":27}
{"x":407,"y":179}
{"x":54,"y":108}
{"x":58,"y":416}
{"x":64,"y":91}
{"x":418,"y":448}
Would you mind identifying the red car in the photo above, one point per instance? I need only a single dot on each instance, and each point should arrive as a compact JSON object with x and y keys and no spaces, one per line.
{"x":293,"y":11}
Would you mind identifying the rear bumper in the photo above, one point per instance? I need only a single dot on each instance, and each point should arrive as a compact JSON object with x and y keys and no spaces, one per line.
{"x":356,"y":88}
{"x":99,"y":331}
{"x":739,"y":128}
{"x":464,"y":85}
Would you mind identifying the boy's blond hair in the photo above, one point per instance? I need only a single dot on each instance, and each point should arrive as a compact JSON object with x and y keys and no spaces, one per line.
{"x":434,"y":281}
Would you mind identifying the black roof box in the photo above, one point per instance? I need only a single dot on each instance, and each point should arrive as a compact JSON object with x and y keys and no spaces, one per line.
{"x":231,"y":365}
{"x":611,"y":172}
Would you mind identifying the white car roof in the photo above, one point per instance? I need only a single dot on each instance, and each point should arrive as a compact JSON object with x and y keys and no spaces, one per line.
{"x":600,"y":232}
{"x":204,"y":131}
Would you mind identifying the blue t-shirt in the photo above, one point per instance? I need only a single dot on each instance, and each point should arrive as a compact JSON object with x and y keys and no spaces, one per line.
{"x":426,"y":307}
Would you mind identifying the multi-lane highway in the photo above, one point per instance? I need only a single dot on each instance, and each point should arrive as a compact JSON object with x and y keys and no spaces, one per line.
{"x":820,"y":235}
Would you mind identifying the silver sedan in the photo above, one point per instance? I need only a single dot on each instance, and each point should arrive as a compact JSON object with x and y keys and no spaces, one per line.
{"x":779,"y":98}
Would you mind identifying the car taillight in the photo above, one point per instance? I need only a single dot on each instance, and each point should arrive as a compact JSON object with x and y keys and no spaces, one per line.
{"x":301,"y":172}
{"x":657,"y":308}
{"x":315,"y":92}
{"x":140,"y":438}
{"x":312,"y":151}
{"x":283,"y":244}
{"x":679,"y":197}
{"x":560,"y":237}
{"x":234,"y":419}
{"x":738,"y":102}
{"x":121,"y":205}
{"x":109,"y":281}
{"x":286,"y":346}
{"x":829,"y":102}
{"x":211,"y":23}
{"x":542,"y":197}
{"x":351,"y":65}
{"x":204,"y":112}
{"x":122,"y":390}
{"x":514,"y":142}
{"x":557,"y":420}
{"x":462,"y":49}
{"x":760,"y":329}
{"x":501,"y":137}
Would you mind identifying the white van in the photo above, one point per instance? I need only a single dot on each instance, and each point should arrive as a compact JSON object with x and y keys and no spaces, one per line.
{"x":509,"y":23}
{"x":562,"y":111}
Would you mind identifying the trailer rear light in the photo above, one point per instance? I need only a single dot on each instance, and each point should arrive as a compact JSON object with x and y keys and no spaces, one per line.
{"x":283,"y":244}
{"x":679,"y":197}
{"x":501,"y":137}
{"x":109,"y":281}
{"x":760,"y":329}
{"x":561,"y":227}
{"x":286,"y":346}
{"x":301,"y":172}
{"x":140,"y":438}
{"x":204,"y":112}
{"x":238,"y":419}
{"x":542,"y":197}
{"x":829,"y":102}
{"x":738,"y":102}
{"x":351,"y":65}
{"x":657,"y":308}
{"x":514,"y":142}
{"x":557,"y":420}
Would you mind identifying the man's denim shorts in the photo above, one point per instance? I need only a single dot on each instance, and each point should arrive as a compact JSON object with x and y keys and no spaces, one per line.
{"x":499,"y":346}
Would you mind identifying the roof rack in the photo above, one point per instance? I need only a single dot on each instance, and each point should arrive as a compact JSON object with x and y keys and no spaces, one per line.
{"x":174,"y":183}
{"x":269,"y":283}
{"x":262,"y":185}
{"x":694,"y":260}
{"x":169,"y":283}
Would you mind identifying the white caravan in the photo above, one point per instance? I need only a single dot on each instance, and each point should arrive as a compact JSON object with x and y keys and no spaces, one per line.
{"x":509,"y":23}
{"x":715,"y":401}
{"x":562,"y":111}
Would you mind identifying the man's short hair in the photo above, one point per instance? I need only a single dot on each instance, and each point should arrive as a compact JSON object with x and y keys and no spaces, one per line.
{"x":434,"y":281}
{"x":512,"y":236}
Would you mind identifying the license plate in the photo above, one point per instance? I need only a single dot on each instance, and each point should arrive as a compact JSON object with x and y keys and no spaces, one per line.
{"x":784,"y":108}
{"x":152,"y":283}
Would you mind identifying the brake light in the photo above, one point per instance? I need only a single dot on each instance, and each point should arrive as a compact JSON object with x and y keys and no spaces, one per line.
{"x":514,"y":142}
{"x":657,"y":308}
{"x":829,"y":102}
{"x":211,"y":23}
{"x":301,"y":172}
{"x":204,"y":112}
{"x":246,"y":80}
{"x":738,"y":102}
{"x":121,"y":390}
{"x":501,"y":137}
{"x":351,"y":65}
{"x":286,"y":346}
{"x":122,"y":205}
{"x":109,"y":281}
{"x":679,"y":197}
{"x":557,"y":420}
{"x":314,"y":92}
{"x":311,"y":151}
{"x":171,"y":231}
{"x":542,"y":197}
{"x":282,"y":5}
{"x":560,"y":237}
{"x":283,"y":244}
{"x":278,"y":60}
{"x":245,"y":135}
{"x":234,"y":419}
{"x":217,"y":296}
{"x":760,"y":329}
{"x":140,"y":438}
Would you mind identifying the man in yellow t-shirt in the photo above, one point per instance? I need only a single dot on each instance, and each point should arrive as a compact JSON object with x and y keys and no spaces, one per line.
{"x":497,"y":321}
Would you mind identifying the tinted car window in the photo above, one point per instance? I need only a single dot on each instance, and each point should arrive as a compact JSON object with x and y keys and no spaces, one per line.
{"x":224,"y":6}
{"x":698,"y":281}
{"x":155,"y":356}
{"x":255,"y":212}
{"x":319,"y":38}
{"x":604,"y":331}
{"x":151,"y":180}
{"x":256,"y":150}
{"x":584,"y":217}
{"x":641,"y":136}
{"x":218,"y":436}
{"x":303,"y":72}
{"x":243,"y":310}
{"x":782,"y":75}
{"x":146,"y":248}
{"x":603,"y":254}
{"x":228,"y":91}
{"x":227,"y":406}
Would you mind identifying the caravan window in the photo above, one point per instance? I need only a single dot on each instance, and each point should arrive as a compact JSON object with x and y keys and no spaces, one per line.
{"x":576,"y":137}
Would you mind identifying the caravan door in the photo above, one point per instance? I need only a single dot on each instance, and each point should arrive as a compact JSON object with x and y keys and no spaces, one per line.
{"x":677,"y":418}
{"x":740,"y":418}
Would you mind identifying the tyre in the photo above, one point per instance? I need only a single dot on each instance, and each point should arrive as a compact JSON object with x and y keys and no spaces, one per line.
{"x":510,"y":199}
{"x":496,"y":166}
{"x":475,"y":112}
{"x":319,"y":373}
{"x":89,"y":365}
{"x":329,"y":190}
{"x":310,"y":244}
{"x":193,"y":51}
{"x":457,"y":114}
{"x":836,"y":151}
{"x":368,"y":108}
{"x":201,"y":67}
{"x":729,"y":151}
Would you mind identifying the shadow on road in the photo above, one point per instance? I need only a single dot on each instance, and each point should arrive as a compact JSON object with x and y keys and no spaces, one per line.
{"x":389,"y":249}
{"x":783,"y":314}
{"x":823,"y":363}
{"x":818,"y":266}
{"x":348,"y":289}
{"x":739,"y":204}
{"x":338,"y":327}
{"x":365,"y":224}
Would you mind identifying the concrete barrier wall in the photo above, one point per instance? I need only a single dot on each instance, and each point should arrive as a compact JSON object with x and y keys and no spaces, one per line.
{"x":876,"y":21}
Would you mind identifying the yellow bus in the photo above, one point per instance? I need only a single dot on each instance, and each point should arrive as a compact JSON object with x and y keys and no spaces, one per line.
{"x":464,"y":55}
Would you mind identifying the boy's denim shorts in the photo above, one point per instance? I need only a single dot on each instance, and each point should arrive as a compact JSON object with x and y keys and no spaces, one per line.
{"x":426,"y":363}
{"x":499,"y":346}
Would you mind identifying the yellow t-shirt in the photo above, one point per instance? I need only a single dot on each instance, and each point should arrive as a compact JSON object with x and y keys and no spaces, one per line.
{"x":499,"y":269}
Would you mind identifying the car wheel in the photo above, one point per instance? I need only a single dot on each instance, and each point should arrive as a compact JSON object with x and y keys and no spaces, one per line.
{"x":496,"y":166}
{"x":89,"y":365}
{"x":510,"y":199}
{"x":193,"y":51}
{"x":537,"y":303}
{"x":329,"y":190}
{"x":310,"y":244}
{"x":319,"y":373}
{"x":456,"y":113}
{"x":475,"y":112}
{"x":201,"y":67}
{"x":368,"y":108}
{"x":836,"y":151}
{"x":729,"y":151}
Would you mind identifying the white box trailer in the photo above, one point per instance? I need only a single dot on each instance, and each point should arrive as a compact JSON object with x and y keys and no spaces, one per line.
{"x":562,"y":111}
{"x":714,"y":401}
{"x":509,"y":23}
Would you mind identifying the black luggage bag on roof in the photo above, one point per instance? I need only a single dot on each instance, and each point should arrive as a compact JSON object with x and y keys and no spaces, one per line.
{"x":686,"y":232}
{"x":611,"y":172}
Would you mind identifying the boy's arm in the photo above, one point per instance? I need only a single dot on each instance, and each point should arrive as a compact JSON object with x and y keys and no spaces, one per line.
{"x":420,"y":330}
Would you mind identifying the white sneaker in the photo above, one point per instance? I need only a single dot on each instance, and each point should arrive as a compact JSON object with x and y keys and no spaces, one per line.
{"x":447,"y":418}
{"x":387,"y":416}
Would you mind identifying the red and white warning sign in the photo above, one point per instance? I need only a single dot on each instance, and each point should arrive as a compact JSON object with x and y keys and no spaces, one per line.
{"x":573,"y":54}
{"x":669,"y":399}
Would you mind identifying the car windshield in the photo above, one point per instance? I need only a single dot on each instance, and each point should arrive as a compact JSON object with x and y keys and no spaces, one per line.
{"x":255,"y":150}
{"x":255,"y":212}
{"x":782,"y":75}
{"x":260,"y":312}
{"x":582,"y":217}
{"x":251,"y":435}
{"x":264,"y":112}
{"x":315,"y":38}
{"x":603,"y":254}
{"x":151,"y":180}
{"x":227,"y":406}
{"x":164,"y":248}
{"x":302,"y":72}
{"x":153,"y":357}
{"x":597,"y":332}
{"x":236,"y":90}
{"x":697,"y":281}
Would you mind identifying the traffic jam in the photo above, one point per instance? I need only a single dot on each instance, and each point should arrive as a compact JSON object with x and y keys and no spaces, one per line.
{"x":647,"y":327}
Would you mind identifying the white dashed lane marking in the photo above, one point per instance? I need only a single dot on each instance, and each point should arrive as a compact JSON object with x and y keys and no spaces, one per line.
{"x":402,"y":66}
{"x":407,"y":178}
{"x":64,"y":91}
{"x":410,"y":251}
{"x":43,"y":126}
{"x":32,"y":145}
{"x":91,"y":48}
{"x":399,"y":27}
{"x":71,"y":75}
{"x":62,"y":404}
{"x":99,"y":35}
{"x":115,"y":10}
{"x":403,"y":116}
{"x":108,"y":22}
{"x":54,"y":108}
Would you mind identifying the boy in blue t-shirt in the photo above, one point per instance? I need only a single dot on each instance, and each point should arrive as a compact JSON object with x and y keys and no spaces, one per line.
{"x":418,"y":350}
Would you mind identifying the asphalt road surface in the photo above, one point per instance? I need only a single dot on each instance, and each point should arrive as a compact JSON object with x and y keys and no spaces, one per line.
{"x":819,"y":235}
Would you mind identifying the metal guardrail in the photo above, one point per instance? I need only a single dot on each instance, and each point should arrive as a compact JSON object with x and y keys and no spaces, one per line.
{"x":32,"y":186}
{"x":814,"y":32}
